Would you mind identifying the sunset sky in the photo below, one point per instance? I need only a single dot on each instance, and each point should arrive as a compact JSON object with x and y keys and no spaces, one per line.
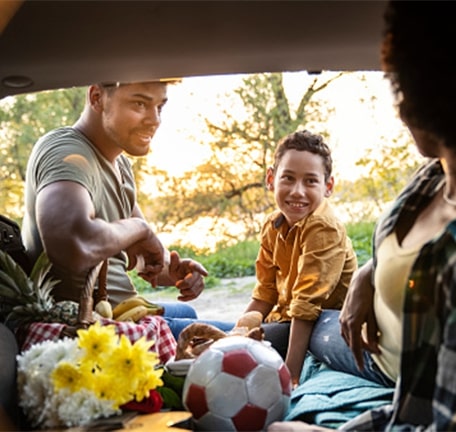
{"x":354,"y":127}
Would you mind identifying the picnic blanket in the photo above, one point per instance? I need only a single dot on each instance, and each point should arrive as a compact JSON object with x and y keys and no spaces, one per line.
{"x":330,"y":398}
{"x":152,"y":327}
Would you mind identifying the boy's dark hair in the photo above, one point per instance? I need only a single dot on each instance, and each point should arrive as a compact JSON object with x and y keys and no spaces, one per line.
{"x":417,"y":56}
{"x":305,"y":141}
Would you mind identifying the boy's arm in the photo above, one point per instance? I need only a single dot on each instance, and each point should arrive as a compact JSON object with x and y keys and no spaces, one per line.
{"x":298,"y":343}
{"x":259,"y":306}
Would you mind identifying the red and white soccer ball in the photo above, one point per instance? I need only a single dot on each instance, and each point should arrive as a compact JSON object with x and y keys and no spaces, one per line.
{"x":238,"y":384}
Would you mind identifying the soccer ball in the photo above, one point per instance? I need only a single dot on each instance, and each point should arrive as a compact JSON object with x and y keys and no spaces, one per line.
{"x":237,"y":384}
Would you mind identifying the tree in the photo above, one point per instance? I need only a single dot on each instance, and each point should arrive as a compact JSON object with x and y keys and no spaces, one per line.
{"x":23,"y":119}
{"x":387,"y":170}
{"x":387,"y":166}
{"x":229,"y":186}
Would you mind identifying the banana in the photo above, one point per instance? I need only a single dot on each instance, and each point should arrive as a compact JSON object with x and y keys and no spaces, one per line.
{"x":134,"y":314}
{"x":154,"y":309}
{"x":104,"y":308}
{"x":126,"y":305}
{"x":133,"y":302}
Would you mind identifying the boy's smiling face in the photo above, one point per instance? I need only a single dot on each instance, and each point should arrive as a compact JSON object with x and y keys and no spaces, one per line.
{"x":299,"y":184}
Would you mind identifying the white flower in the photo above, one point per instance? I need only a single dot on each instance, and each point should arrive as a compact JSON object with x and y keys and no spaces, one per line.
{"x":81,"y":407}
{"x":34,"y":369}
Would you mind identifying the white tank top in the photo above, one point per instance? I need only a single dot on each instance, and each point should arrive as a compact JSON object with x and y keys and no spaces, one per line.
{"x":393,"y":269}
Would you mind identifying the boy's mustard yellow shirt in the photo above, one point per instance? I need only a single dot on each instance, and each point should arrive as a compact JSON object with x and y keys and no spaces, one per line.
{"x":305,"y":269}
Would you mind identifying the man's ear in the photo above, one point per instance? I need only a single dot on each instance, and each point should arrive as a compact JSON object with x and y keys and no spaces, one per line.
{"x":269,"y":180}
{"x":329,"y":187}
{"x":95,"y":95}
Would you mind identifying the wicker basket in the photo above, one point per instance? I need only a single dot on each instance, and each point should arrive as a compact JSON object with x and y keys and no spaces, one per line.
{"x":88,"y":298}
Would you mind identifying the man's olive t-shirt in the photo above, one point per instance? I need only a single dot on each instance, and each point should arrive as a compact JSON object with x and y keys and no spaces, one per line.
{"x":66,"y":155}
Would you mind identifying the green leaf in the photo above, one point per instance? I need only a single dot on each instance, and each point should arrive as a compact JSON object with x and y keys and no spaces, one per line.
{"x":7,"y":281}
{"x":170,"y":398}
{"x":174,"y":382}
{"x":40,"y":269}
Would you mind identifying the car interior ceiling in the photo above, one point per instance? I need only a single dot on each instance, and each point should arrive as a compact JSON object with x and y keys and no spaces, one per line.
{"x":58,"y":44}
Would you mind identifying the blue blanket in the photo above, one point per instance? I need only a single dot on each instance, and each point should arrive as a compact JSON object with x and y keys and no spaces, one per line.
{"x":330,"y":398}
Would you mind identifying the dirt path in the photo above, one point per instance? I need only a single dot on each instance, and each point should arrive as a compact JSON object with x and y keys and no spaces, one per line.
{"x":225,"y":302}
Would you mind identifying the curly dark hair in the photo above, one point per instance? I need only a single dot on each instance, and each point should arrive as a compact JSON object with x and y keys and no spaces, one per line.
{"x":417,"y":55}
{"x":304,"y":140}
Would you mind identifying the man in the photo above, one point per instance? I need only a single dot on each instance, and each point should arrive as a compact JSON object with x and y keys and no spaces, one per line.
{"x":80,"y":197}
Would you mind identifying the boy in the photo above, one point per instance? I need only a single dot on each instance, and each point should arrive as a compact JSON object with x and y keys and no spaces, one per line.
{"x":306,"y":260}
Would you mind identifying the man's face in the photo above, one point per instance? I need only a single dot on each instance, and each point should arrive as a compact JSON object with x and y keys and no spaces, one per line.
{"x":299,"y":184}
{"x":131,"y":115}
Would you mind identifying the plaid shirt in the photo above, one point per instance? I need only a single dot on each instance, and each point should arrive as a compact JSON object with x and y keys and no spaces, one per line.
{"x":425,"y":394}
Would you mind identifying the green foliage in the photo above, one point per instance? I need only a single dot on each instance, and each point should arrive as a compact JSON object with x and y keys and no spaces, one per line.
{"x":233,"y":261}
{"x":387,"y":169}
{"x":140,"y":284}
{"x":361,"y":236}
{"x":171,"y":391}
{"x":23,"y":119}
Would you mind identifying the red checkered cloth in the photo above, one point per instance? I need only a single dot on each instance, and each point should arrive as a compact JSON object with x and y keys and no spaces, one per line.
{"x":152,"y":327}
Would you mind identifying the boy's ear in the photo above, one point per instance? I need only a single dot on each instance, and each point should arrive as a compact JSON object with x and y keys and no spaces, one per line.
{"x":269,"y":180}
{"x":329,"y":187}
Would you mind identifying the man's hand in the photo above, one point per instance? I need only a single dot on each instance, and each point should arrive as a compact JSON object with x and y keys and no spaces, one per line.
{"x":151,"y":254}
{"x":187,"y":275}
{"x":358,"y":309}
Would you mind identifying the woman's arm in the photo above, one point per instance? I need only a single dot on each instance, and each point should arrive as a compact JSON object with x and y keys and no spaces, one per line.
{"x":357,"y":311}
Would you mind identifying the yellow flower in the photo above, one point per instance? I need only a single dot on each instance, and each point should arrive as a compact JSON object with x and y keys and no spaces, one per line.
{"x":122,"y":354}
{"x":124,"y":359}
{"x":97,"y":341}
{"x":67,"y":375}
{"x":147,"y":382}
{"x":105,"y":387}
{"x":133,"y":367}
{"x":142,"y":354}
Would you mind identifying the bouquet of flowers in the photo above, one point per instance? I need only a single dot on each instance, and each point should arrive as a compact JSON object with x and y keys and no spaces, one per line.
{"x":72,"y":382}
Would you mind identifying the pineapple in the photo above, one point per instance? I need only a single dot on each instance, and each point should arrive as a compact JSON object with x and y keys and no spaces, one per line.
{"x":25,"y":299}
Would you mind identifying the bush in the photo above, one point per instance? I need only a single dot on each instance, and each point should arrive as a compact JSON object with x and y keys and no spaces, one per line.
{"x":360,"y":234}
{"x":233,"y":261}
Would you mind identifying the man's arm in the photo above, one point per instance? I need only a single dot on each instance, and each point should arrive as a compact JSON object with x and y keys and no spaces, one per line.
{"x":75,"y":239}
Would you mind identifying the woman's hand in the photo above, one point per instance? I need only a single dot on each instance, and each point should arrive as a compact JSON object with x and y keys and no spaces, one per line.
{"x":358,"y":309}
